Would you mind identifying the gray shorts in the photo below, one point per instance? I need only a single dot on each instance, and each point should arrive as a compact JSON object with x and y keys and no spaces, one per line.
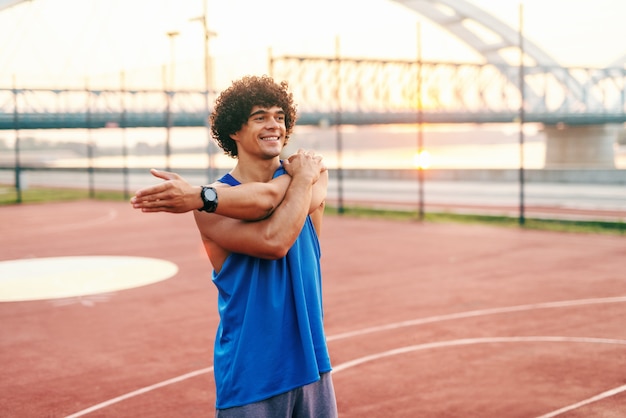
{"x":316,"y":400}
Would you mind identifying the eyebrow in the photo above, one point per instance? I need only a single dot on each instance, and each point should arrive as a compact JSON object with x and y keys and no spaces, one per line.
{"x":263,"y":111}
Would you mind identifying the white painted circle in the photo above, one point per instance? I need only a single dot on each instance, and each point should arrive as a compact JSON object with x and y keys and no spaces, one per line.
{"x":64,"y":277}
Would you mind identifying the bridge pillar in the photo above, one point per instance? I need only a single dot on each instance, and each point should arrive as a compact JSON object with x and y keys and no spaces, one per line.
{"x":588,"y":146}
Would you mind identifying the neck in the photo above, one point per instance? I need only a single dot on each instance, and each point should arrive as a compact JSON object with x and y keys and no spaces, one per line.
{"x":247,"y":171}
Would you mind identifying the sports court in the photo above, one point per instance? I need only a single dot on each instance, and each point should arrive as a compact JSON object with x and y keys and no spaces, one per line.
{"x":423,"y":320}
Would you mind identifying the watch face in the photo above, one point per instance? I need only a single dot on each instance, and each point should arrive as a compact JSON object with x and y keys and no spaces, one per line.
{"x":209,"y":194}
{"x":209,"y":199}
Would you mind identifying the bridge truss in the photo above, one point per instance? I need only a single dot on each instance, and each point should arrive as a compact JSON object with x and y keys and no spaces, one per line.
{"x":39,"y":108}
{"x":452,"y":92}
{"x":361,"y":91}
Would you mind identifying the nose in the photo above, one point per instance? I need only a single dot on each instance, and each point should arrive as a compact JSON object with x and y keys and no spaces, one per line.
{"x":273,"y":123}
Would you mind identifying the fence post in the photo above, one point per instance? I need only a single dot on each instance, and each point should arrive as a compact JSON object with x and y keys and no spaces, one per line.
{"x":420,"y":128}
{"x":16,"y":127}
{"x":522,"y":219}
{"x":340,"y":208}
{"x":90,"y":168}
{"x":123,"y":124}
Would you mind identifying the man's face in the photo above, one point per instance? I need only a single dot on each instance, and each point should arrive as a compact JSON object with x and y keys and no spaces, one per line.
{"x":264,"y":132}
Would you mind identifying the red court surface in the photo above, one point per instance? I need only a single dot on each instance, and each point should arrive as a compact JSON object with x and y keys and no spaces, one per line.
{"x":423,"y":320}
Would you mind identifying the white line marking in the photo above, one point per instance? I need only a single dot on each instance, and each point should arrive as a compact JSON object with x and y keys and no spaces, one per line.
{"x":480,"y":312}
{"x":70,"y":276}
{"x":396,"y":325}
{"x":470,"y":341}
{"x":140,"y":391}
{"x":596,"y":398}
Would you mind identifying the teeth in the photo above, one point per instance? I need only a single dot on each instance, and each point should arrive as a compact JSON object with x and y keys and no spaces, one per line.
{"x":270,"y":138}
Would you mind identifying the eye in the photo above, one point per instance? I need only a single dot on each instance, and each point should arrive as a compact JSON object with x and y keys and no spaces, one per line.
{"x":280,"y":118}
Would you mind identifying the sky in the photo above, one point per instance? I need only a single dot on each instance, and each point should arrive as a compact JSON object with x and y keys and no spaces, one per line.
{"x":58,"y":43}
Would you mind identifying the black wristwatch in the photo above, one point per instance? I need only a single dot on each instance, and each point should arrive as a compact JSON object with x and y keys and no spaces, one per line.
{"x":209,"y":199}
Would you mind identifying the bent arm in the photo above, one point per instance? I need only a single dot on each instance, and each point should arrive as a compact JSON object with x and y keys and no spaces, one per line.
{"x":250,"y":201}
{"x":270,"y":238}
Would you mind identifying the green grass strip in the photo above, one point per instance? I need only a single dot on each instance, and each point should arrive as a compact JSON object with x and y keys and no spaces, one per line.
{"x":9,"y":196}
{"x":558,"y":225}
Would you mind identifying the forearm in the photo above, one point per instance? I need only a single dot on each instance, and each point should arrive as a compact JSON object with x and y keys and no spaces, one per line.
{"x":281,"y":230}
{"x":251,"y":201}
{"x":256,"y":201}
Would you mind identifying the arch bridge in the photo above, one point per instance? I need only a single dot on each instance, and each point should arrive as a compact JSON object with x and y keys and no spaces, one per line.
{"x":581,"y":125}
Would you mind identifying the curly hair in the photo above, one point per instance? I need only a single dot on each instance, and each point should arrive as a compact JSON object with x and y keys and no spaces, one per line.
{"x":233,"y":107}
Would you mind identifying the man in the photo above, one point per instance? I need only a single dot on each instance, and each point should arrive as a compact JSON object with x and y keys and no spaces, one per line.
{"x":260,"y":230}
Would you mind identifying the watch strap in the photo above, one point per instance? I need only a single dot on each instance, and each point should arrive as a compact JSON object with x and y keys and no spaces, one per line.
{"x":208,"y":205}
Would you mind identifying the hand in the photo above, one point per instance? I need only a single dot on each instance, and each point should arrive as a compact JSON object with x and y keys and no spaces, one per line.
{"x":305,"y":163}
{"x":174,"y":195}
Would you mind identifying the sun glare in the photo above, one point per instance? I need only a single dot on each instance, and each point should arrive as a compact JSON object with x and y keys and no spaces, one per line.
{"x":421,"y":160}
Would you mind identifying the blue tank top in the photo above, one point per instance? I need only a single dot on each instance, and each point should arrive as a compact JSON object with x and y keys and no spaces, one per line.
{"x":270,"y":339}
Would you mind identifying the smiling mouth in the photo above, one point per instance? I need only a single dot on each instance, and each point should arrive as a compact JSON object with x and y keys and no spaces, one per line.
{"x":270,"y":138}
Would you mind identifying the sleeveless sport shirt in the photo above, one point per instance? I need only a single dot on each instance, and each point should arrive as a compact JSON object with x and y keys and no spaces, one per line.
{"x":270,"y":339}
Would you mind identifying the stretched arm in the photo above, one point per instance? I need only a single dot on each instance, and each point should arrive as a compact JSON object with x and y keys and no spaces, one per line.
{"x":250,"y":201}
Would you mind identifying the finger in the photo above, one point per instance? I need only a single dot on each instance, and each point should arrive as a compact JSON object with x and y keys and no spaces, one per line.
{"x":161,"y":208}
{"x":155,"y":200}
{"x":152,"y":210}
{"x":153,"y":192}
{"x":165,"y":175}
